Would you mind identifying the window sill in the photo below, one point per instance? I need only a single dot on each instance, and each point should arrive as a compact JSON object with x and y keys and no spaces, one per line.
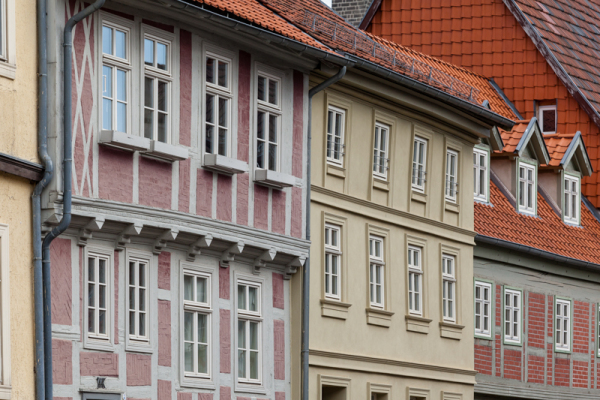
{"x":482,"y":336}
{"x":5,"y":392}
{"x":138,"y":346}
{"x":418,"y":196}
{"x":273,"y":179}
{"x":451,"y":330}
{"x":379,"y":317}
{"x":380,"y":184}
{"x":197,"y":383}
{"x":99,"y":345}
{"x":8,"y":70}
{"x":123,"y":141}
{"x":452,"y":207}
{"x":415,"y":323}
{"x":334,"y":309}
{"x":166,"y":152}
{"x":336,"y":170}
{"x":243,"y":387}
{"x":224,"y":165}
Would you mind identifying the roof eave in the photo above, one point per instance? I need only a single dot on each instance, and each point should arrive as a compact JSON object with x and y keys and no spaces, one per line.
{"x":575,"y":145}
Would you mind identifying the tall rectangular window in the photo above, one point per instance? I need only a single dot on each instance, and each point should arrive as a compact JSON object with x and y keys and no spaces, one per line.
{"x":3,"y":30}
{"x":137,"y":299}
{"x":572,"y":203}
{"x":249,"y":332}
{"x":196,"y":324}
{"x":217,"y":129}
{"x":483,"y":294}
{"x":335,"y":135}
{"x":268,"y":122}
{"x":527,"y":188}
{"x":415,"y":279}
{"x":376,"y":272}
{"x":512,"y":316}
{"x":98,"y":297}
{"x":480,"y":176}
{"x":449,"y":288}
{"x":333,"y":261}
{"x":116,"y":68}
{"x":562,"y":336}
{"x":157,"y":89}
{"x":451,"y":175}
{"x":419,"y":164}
{"x":380,"y":151}
{"x":547,"y":119}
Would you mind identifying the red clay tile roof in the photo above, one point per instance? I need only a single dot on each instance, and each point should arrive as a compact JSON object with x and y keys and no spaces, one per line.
{"x":512,"y":138}
{"x":557,"y":145}
{"x":545,"y":232}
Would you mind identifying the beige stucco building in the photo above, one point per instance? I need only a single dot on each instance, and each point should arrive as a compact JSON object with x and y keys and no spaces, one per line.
{"x":18,"y":172}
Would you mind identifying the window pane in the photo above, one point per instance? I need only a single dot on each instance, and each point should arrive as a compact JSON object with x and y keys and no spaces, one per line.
{"x":260,"y":125}
{"x":132,"y":322}
{"x":188,"y":326}
{"x":120,"y":44}
{"x":273,"y":92}
{"x":102,"y":271}
{"x":142,"y":324}
{"x":188,"y":288}
{"x":161,"y":56}
{"x":148,"y":52}
{"x":253,"y":336}
{"x":223,"y":74}
{"x":106,"y":39}
{"x":102,"y":322}
{"x":202,"y":328}
{"x":162,"y":127}
{"x":210,"y":70}
{"x":253,"y":365}
{"x":91,"y":320}
{"x":149,"y":92}
{"x":202,"y":358}
{"x":132,"y":298}
{"x":241,"y":364}
{"x":253,"y":298}
{"x":272,"y":157}
{"x":262,"y":90}
{"x":121,"y":117}
{"x":273,"y":128}
{"x":91,"y":294}
{"x":241,"y":334}
{"x":223,"y":141}
{"x":102,"y":296}
{"x":142,"y":299}
{"x":242,"y":297}
{"x":189,"y":357}
{"x":107,"y":105}
{"x":162,"y":96}
{"x":223,"y":112}
{"x":201,"y":290}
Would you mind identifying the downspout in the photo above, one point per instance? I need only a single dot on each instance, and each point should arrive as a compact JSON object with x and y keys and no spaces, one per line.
{"x":306,"y":271}
{"x":67,"y":182}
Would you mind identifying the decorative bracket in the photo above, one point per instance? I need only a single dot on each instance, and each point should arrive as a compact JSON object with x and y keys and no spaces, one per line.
{"x":161,"y":242}
{"x":261,"y":261}
{"x":293,"y":266}
{"x":195,"y":248}
{"x":229,"y":254}
{"x":85,"y":233}
{"x":124,"y":237}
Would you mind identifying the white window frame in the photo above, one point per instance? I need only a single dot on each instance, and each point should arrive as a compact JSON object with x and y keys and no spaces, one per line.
{"x":451,"y":187}
{"x":96,"y":341}
{"x":330,"y":252}
{"x":524,"y":208}
{"x":249,"y":317}
{"x":136,"y":338}
{"x":376,"y":266}
{"x":482,"y":302}
{"x":562,"y":325}
{"x":218,"y":92}
{"x":381,"y":148}
{"x":570,"y":197}
{"x":5,"y":325}
{"x":269,"y":109}
{"x":3,"y":30}
{"x":449,"y":288}
{"x":541,"y":110}
{"x":478,"y":170}
{"x":415,"y":274}
{"x":330,"y":136}
{"x":8,"y":52}
{"x":511,"y":338}
{"x":418,"y":182}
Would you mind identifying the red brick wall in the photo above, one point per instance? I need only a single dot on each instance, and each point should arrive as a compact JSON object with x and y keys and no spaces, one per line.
{"x":580,"y":374}
{"x":562,"y":371}
{"x":512,"y":364}
{"x":536,"y":322}
{"x":535,"y":369}
{"x":581,"y":327}
{"x":483,"y":359}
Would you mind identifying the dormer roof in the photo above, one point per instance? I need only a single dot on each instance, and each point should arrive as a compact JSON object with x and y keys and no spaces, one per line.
{"x":564,"y":148}
{"x":523,"y":134}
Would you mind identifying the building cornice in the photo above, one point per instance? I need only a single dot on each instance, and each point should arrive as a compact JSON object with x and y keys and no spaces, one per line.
{"x":22,"y":168}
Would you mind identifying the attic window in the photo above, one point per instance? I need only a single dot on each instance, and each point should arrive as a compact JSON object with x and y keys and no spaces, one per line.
{"x":547,"y":119}
{"x":571,"y":201}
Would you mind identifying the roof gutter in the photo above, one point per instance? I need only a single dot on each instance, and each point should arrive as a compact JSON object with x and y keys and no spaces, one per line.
{"x":546,"y":255}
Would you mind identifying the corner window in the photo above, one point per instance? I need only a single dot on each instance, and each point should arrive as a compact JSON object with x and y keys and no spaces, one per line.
{"x":483,"y":307}
{"x":249,"y":332}
{"x":376,"y":272}
{"x":527,"y":188}
{"x":415,"y":279}
{"x":512,"y":316}
{"x":333,"y":259}
{"x":451,"y":175}
{"x":419,"y":165}
{"x":196,"y":324}
{"x":380,"y":151}
{"x":336,"y":120}
{"x":137,"y":299}
{"x":448,"y":288}
{"x":547,"y":119}
{"x":571,"y":207}
{"x":217,"y":128}
{"x":116,"y":72}
{"x":157,"y":88}
{"x":268,"y":122}
{"x":562,"y":335}
{"x":480,"y":174}
{"x":98,"y":295}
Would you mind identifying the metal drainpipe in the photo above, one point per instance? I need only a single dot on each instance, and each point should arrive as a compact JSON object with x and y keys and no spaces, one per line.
{"x":67,"y":182}
{"x":306,"y":270}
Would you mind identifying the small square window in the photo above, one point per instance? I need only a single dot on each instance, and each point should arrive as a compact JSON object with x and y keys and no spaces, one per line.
{"x":547,"y":119}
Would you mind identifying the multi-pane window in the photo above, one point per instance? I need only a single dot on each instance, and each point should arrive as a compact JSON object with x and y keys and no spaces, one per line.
{"x":249,"y":332}
{"x":137,"y":299}
{"x":268,"y":122}
{"x":547,"y":119}
{"x":116,"y":69}
{"x":419,"y":164}
{"x":571,"y":205}
{"x":527,"y":188}
{"x":512,"y":316}
{"x":217,"y":128}
{"x":3,"y":30}
{"x":333,"y":261}
{"x":480,"y":176}
{"x":380,"y":150}
{"x":157,"y":89}
{"x":449,"y":288}
{"x":196,"y":324}
{"x":483,"y":294}
{"x":376,"y":272}
{"x":335,"y":135}
{"x":98,"y":297}
{"x":562,"y":336}
{"x":415,"y":280}
{"x":451,"y":175}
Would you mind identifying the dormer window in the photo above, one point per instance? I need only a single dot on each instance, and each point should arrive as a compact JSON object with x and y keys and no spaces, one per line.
{"x":572,"y":204}
{"x":527,"y":188}
{"x":547,"y":119}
